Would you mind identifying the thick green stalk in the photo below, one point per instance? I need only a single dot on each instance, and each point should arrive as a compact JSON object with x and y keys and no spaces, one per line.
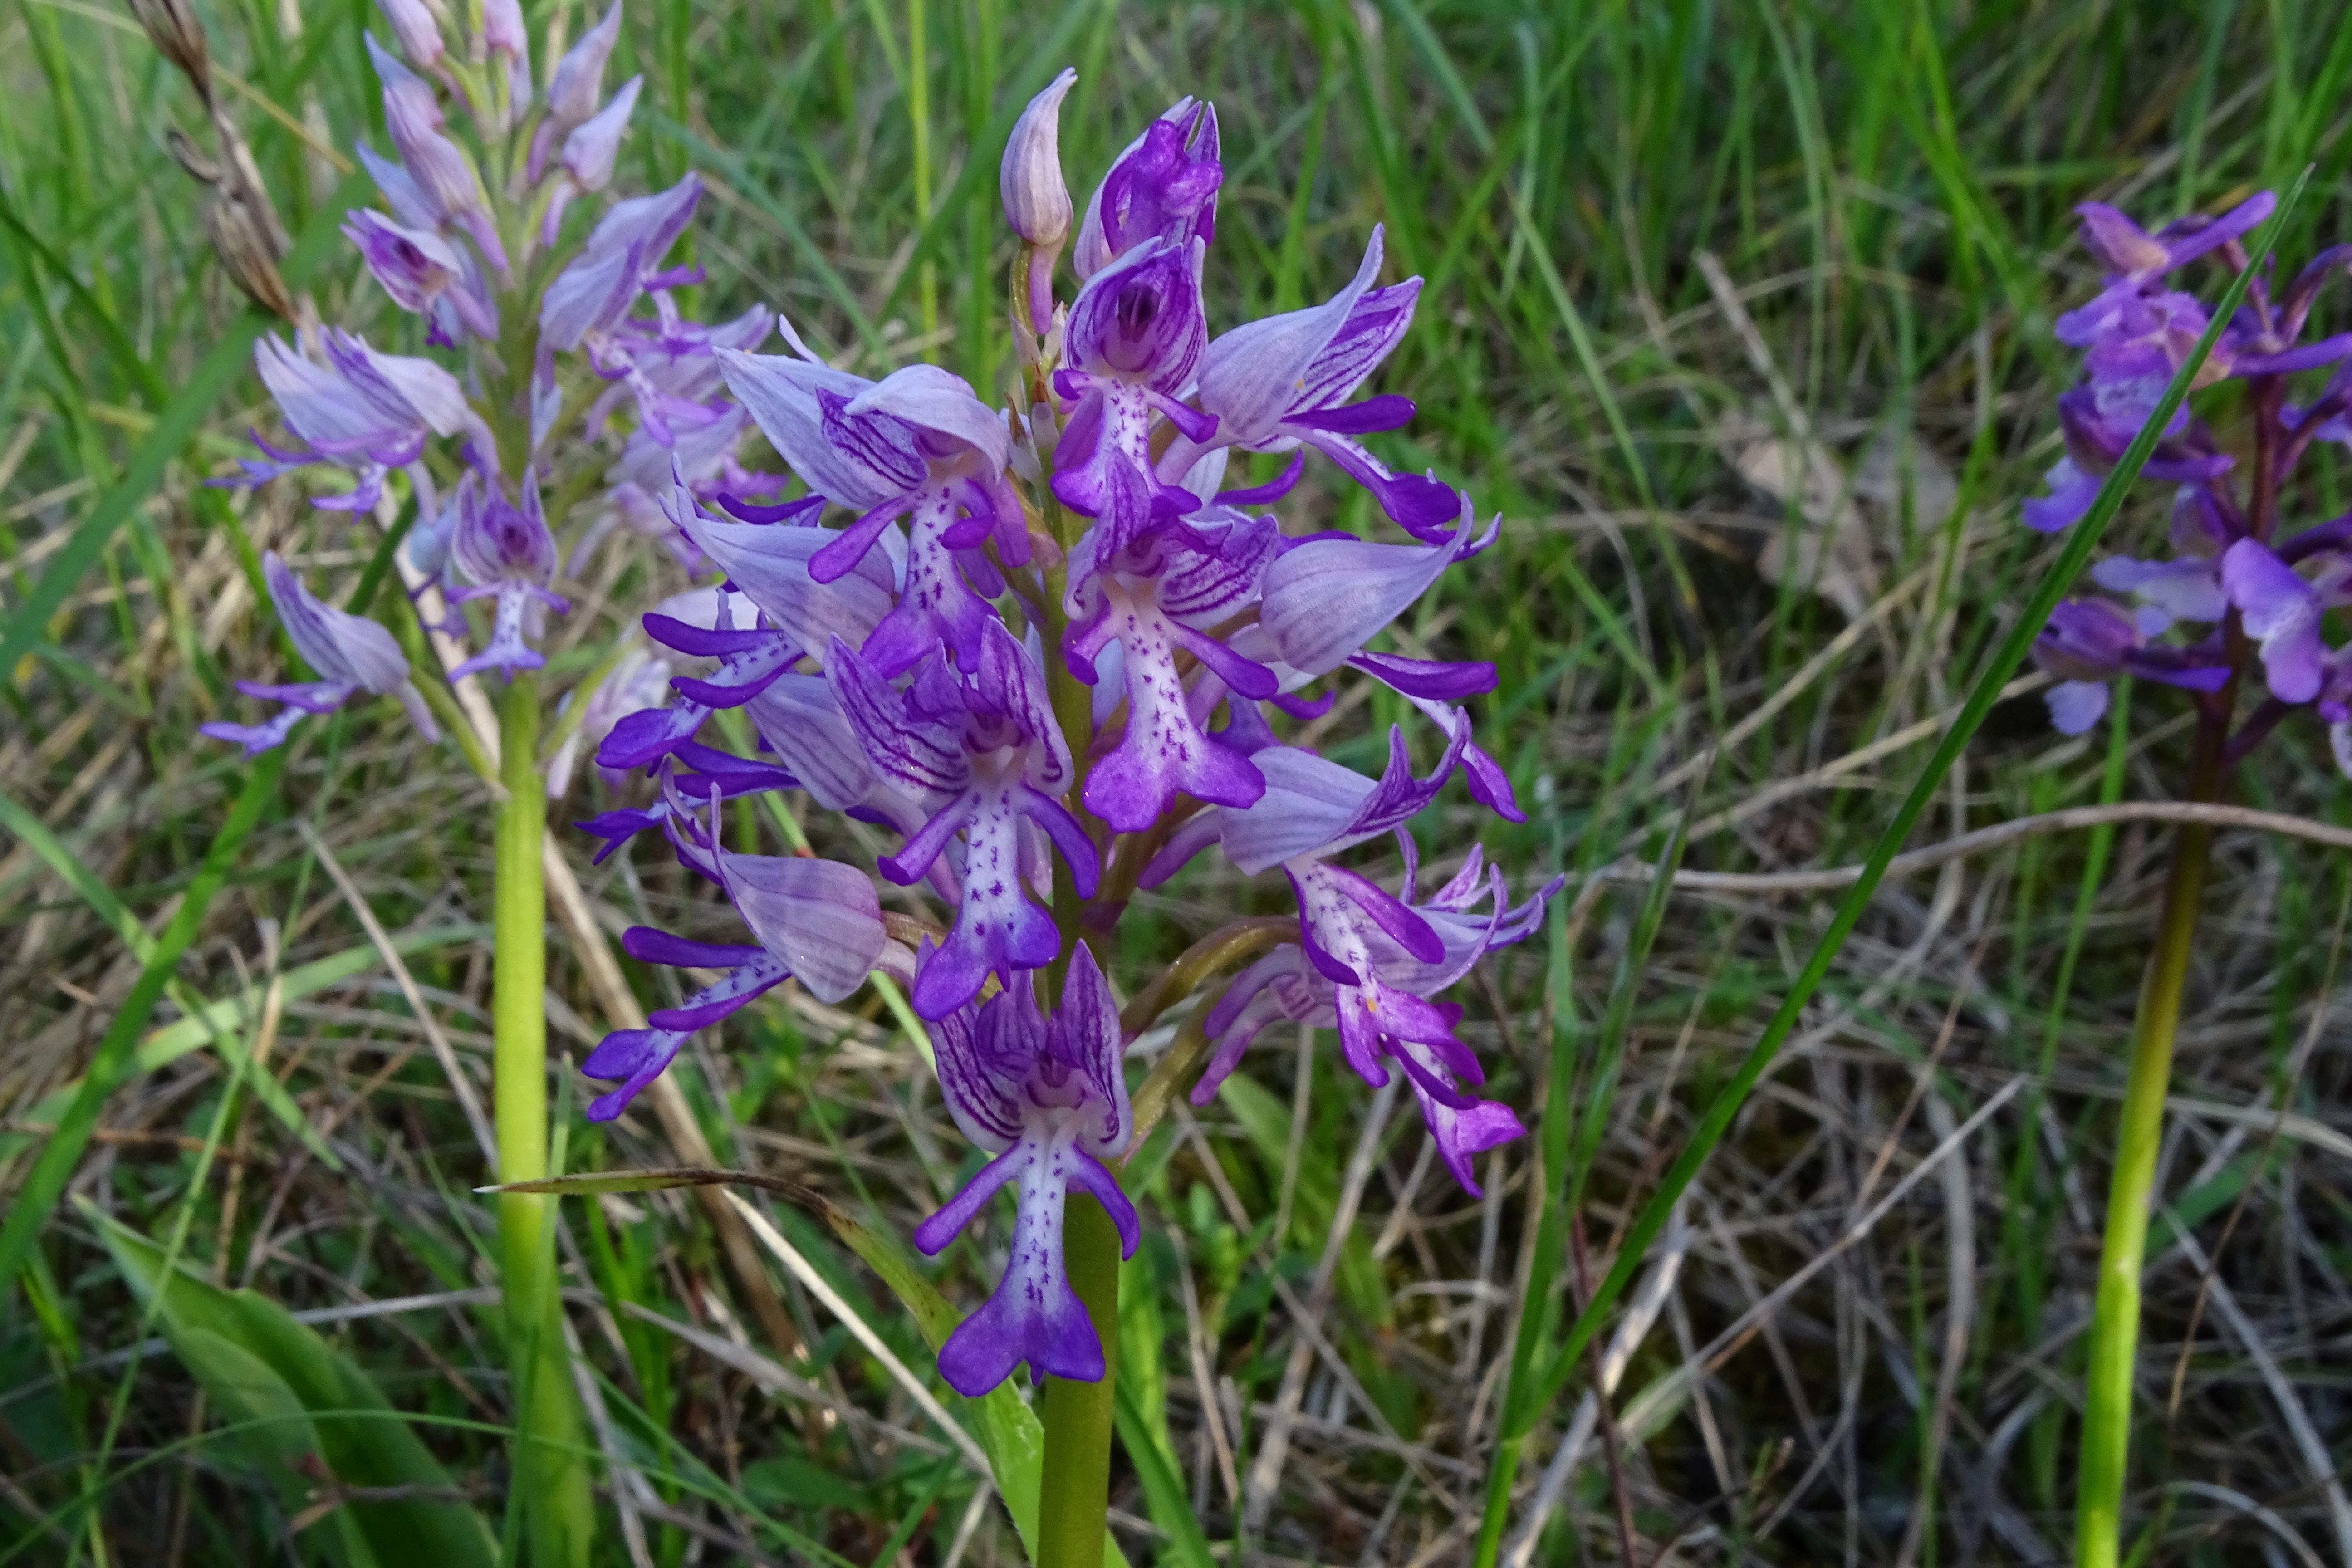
{"x":2114,"y":1318}
{"x":559,"y":1510}
{"x":1074,"y":1492}
{"x":2115,"y":1322}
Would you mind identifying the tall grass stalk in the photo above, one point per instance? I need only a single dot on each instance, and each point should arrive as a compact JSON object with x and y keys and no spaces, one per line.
{"x":558,"y":1508}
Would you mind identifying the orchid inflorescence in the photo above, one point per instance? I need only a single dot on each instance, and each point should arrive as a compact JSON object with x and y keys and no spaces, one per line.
{"x":2233,"y":554}
{"x":1046,"y":649}
{"x":569,"y":406}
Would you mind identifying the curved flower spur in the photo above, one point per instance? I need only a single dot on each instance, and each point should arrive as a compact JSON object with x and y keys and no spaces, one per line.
{"x":1048,"y":658}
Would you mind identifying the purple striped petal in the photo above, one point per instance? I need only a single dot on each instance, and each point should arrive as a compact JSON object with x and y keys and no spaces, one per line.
{"x":1011,"y":685}
{"x":781,"y":393}
{"x":800,"y":719}
{"x":924,"y":756}
{"x":981,"y":1093}
{"x":1140,"y":318}
{"x":817,"y":917}
{"x":770,"y":566}
{"x":1087,"y":1036}
{"x":1325,"y":598}
{"x":931,"y":399}
{"x":1252,"y":377}
{"x":1372,"y":330}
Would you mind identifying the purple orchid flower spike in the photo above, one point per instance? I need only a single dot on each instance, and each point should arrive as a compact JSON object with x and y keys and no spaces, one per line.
{"x":1283,"y":381}
{"x":812,"y":920}
{"x":1046,"y":1097}
{"x":985,"y":754}
{"x":894,"y":668}
{"x":1163,"y":188}
{"x":1133,"y":345}
{"x":350,"y":654}
{"x":1155,"y":599}
{"x":916,"y":444}
{"x":1381,"y":1015}
{"x":506,"y":553}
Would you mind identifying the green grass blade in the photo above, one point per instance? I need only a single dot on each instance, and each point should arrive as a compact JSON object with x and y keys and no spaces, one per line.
{"x":1163,"y":1489}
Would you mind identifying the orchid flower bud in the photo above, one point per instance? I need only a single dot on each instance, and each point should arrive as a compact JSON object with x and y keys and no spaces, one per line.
{"x":573,"y":89}
{"x":418,"y":30}
{"x":506,"y":40}
{"x":589,"y":151}
{"x":444,"y":177}
{"x":1037,"y":202}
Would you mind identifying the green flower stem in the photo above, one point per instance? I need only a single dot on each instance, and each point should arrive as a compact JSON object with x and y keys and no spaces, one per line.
{"x":1074,"y":1487}
{"x":2115,"y":1319}
{"x":1074,"y":1492}
{"x":559,"y":1509}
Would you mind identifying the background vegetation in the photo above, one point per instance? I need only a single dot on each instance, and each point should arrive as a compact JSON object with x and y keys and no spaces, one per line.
{"x":1740,"y":312}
